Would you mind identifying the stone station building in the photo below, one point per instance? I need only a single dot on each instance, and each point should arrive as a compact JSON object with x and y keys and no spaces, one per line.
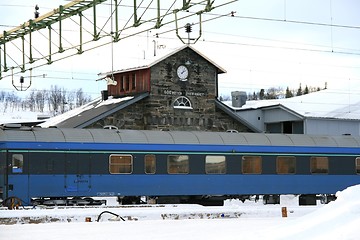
{"x":176,"y":92}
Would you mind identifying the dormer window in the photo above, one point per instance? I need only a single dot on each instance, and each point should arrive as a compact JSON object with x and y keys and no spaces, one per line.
{"x":182,"y":103}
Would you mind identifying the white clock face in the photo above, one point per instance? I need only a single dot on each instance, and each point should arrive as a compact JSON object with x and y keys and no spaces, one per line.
{"x":182,"y":72}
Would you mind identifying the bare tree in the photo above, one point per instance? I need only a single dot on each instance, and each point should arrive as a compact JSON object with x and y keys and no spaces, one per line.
{"x":71,"y":100}
{"x":55,"y":98}
{"x":31,"y":101}
{"x":81,"y":99}
{"x":58,"y":100}
{"x":2,"y":95}
{"x":63,"y":102}
{"x":273,"y":93}
{"x":12,"y":101}
{"x":40,"y":99}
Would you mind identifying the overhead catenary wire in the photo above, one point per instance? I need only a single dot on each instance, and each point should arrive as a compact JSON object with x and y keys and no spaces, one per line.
{"x":130,"y":35}
{"x":265,"y":19}
{"x":331,"y":50}
{"x":277,"y":47}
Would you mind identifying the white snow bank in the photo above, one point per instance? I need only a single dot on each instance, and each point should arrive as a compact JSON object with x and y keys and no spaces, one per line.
{"x":337,"y":220}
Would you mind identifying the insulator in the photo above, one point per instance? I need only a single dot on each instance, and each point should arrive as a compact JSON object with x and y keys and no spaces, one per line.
{"x":36,"y":13}
{"x":188,"y":28}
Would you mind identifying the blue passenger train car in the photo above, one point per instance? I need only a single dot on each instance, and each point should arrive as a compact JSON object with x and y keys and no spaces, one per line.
{"x":70,"y":166}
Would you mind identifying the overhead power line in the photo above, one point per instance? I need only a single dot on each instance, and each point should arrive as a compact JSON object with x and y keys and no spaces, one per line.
{"x":295,"y":22}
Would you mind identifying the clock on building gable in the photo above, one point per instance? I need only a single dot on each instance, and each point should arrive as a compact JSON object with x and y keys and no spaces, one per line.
{"x":182,"y":72}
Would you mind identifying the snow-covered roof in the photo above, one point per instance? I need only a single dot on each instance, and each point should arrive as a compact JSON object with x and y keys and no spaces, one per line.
{"x":78,"y":112}
{"x":151,"y":62}
{"x":332,"y":104}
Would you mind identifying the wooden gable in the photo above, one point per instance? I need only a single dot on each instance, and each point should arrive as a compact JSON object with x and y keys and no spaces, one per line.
{"x":130,"y":83}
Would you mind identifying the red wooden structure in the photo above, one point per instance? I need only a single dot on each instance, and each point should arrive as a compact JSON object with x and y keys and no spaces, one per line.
{"x":130,"y":83}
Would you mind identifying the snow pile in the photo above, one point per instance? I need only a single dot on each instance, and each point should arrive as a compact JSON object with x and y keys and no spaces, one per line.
{"x":337,"y":220}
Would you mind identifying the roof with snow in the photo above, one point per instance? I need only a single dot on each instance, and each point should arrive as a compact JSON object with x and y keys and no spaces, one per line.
{"x":153,"y":61}
{"x":91,"y":112}
{"x":327,"y":103}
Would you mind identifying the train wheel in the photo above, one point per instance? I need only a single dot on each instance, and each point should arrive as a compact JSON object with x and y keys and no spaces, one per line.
{"x":12,"y":203}
{"x":325,"y":199}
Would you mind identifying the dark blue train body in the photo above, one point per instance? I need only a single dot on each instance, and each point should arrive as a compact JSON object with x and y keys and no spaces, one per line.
{"x":68,"y":166}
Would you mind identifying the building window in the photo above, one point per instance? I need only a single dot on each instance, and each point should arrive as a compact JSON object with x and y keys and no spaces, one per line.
{"x":17,"y":163}
{"x":182,"y":102}
{"x":251,"y":164}
{"x":120,"y":164}
{"x":150,"y":164}
{"x":319,"y":165}
{"x":285,"y":165}
{"x":357,"y":164}
{"x":215,"y":164}
{"x":178,"y":164}
{"x":133,"y":81}
{"x":126,"y":83}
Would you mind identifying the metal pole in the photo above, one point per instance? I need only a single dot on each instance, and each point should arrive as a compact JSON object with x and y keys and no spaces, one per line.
{"x":177,"y":28}
{"x":158,"y":21}
{"x":5,"y":67}
{"x":49,"y":60}
{"x":23,"y":52}
{"x":116,"y":37}
{"x":80,"y":51}
{"x":61,"y":8}
{"x":96,"y":36}
{"x":30,"y":43}
{"x":136,"y":22}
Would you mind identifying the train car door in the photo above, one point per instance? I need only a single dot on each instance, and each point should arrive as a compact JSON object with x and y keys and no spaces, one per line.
{"x":3,"y":175}
{"x":18,"y":177}
{"x":77,"y":173}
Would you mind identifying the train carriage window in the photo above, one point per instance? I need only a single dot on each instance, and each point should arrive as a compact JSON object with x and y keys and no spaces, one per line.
{"x":319,"y":165}
{"x":17,"y":163}
{"x":50,"y":165}
{"x":178,"y":164}
{"x":252,"y":164}
{"x":357,"y":164}
{"x":215,"y":164}
{"x":285,"y":165}
{"x":120,"y":164}
{"x":150,"y":164}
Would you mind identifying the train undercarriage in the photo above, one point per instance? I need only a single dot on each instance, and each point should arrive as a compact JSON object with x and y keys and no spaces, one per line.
{"x":304,"y":199}
{"x":64,"y":201}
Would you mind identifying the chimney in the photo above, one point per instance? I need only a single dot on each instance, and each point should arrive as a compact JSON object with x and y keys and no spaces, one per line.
{"x":238,"y":98}
{"x":104,"y":95}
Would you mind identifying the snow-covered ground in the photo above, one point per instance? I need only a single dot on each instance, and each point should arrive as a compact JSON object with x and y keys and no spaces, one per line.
{"x":337,"y":220}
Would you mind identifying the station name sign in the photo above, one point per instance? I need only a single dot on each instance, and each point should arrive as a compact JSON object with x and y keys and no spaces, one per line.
{"x":184,"y":93}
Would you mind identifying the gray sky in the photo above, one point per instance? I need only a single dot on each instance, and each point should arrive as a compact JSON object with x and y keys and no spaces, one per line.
{"x":268,"y":43}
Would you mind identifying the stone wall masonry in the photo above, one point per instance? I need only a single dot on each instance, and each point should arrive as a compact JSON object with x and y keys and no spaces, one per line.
{"x":157,"y":111}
